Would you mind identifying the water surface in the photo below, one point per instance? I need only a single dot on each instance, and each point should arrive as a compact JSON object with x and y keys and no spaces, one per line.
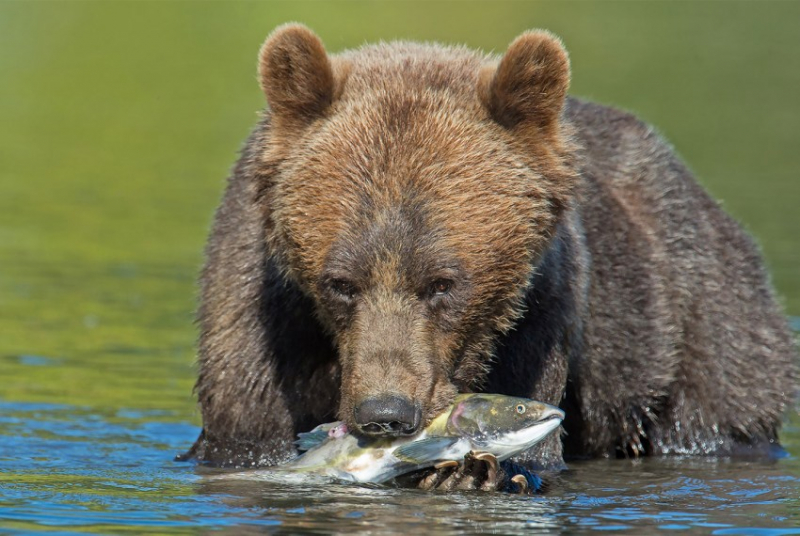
{"x":72,"y":469}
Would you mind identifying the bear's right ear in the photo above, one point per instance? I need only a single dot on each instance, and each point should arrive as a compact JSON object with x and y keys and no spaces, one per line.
{"x":295,"y":75}
{"x":529,"y":85}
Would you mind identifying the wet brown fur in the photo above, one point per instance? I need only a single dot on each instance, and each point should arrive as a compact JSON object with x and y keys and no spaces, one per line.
{"x":588,"y":268}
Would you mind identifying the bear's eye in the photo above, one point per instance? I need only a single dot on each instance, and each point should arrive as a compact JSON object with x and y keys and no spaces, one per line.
{"x":440,"y":287}
{"x":343,"y":289}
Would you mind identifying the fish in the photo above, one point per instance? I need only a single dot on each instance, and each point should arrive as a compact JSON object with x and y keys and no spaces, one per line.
{"x":500,"y":425}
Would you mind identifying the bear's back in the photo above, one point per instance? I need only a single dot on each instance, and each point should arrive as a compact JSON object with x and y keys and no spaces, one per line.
{"x":681,"y":310}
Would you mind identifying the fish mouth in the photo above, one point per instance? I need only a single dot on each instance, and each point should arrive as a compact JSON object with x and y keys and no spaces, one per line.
{"x":553,"y":413}
{"x":527,"y":437}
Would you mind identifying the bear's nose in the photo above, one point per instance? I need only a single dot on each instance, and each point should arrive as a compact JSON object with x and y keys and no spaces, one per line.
{"x":388,"y":415}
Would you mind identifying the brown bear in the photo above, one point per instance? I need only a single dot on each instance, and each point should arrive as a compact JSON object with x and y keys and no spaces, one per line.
{"x":411,"y":221}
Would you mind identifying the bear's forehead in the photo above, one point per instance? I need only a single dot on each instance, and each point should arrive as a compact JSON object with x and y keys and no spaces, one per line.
{"x":409,"y":174}
{"x":431,"y":162}
{"x":410,"y":140}
{"x":410,"y":66}
{"x":396,"y":245}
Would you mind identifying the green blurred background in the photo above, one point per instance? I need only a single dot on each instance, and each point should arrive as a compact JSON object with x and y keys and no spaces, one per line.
{"x":120,"y":121}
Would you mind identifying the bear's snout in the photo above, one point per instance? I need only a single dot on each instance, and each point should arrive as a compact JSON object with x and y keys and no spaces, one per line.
{"x":387,"y":415}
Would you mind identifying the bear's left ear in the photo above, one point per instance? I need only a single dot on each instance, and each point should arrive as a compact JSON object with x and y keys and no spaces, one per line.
{"x":296,"y":75}
{"x":530,"y":84}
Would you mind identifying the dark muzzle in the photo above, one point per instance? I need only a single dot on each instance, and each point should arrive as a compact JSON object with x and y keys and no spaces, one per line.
{"x":388,"y":415}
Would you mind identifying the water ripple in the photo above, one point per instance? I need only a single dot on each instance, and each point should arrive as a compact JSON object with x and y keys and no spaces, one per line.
{"x":80,"y":469}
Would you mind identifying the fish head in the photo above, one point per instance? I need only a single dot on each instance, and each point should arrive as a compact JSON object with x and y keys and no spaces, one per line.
{"x":502,"y":425}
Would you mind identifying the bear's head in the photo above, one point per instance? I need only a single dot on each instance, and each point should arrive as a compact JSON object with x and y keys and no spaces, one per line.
{"x":410,"y":191}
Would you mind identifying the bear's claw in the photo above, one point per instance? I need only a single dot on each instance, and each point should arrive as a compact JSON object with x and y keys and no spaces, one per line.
{"x":521,"y":482}
{"x":480,"y":470}
{"x":448,"y":463}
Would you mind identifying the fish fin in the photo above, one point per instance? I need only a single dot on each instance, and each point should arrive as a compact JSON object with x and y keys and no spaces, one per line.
{"x":309,"y":440}
{"x":424,"y":450}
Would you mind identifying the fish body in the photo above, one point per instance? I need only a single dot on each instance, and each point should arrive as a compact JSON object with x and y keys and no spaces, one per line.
{"x":497,"y":424}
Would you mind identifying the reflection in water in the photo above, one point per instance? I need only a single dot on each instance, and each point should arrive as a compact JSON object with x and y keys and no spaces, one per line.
{"x":74,"y":469}
{"x":393,"y":511}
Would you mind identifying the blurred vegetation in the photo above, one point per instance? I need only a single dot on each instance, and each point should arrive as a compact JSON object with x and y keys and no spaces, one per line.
{"x":121,"y":120}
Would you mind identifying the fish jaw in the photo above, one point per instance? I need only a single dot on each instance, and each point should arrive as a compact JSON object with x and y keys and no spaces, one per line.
{"x":511,"y":443}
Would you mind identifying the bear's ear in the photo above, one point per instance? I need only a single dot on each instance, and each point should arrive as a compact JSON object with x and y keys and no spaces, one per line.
{"x":295,"y":74}
{"x":530,"y":83}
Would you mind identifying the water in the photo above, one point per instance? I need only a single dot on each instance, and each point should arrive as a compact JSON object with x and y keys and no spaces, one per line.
{"x":72,"y":469}
{"x":119,"y":122}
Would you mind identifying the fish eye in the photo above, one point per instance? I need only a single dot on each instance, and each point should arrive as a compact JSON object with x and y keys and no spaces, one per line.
{"x":520,"y":408}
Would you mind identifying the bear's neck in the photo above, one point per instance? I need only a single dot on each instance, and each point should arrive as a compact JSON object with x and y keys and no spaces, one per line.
{"x":532,"y":359}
